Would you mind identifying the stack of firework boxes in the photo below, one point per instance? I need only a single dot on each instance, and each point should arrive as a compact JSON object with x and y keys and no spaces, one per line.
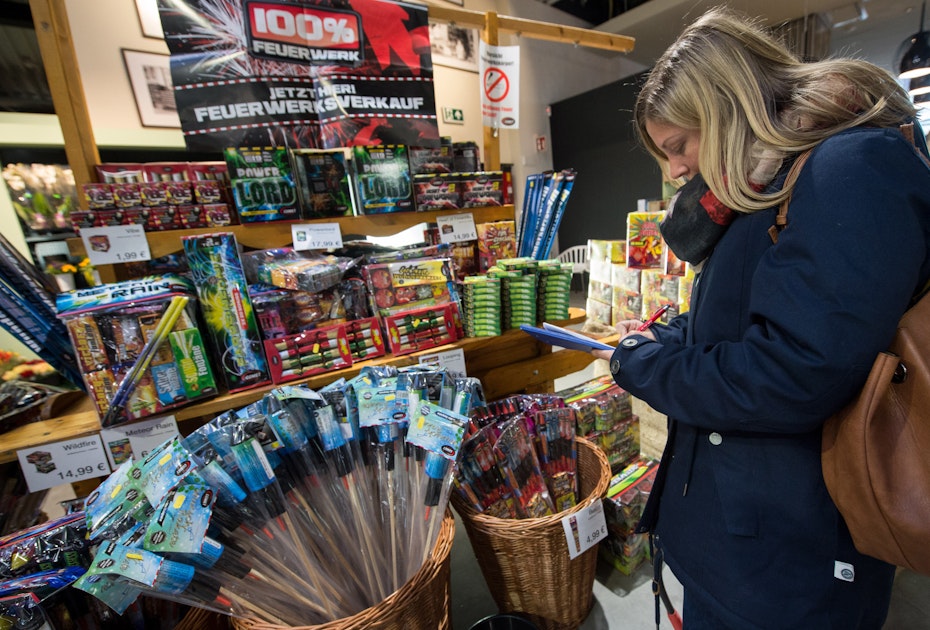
{"x":157,"y":196}
{"x":632,"y":278}
{"x":281,"y":184}
{"x":604,"y":415}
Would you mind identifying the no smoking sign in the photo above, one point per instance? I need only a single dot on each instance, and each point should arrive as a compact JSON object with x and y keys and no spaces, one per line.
{"x":496,"y":84}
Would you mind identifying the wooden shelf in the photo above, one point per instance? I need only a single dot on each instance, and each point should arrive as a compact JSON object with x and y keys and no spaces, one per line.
{"x":268,"y":235}
{"x":509,"y":364}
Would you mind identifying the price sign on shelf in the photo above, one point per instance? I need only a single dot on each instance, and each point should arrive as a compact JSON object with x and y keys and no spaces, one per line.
{"x":452,"y":360}
{"x":137,"y":439}
{"x":455,"y":228}
{"x":115,"y":244}
{"x":57,"y":463}
{"x":316,"y":236}
{"x":585,"y":528}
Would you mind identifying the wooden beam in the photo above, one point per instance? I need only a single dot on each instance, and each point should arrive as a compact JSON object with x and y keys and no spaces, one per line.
{"x":64,"y":79}
{"x":492,"y":140}
{"x":535,"y":29}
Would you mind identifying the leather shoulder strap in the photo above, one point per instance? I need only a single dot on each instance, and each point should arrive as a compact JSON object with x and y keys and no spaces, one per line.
{"x":781,"y":219}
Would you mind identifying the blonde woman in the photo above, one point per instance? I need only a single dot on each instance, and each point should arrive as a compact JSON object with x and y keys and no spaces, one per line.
{"x":783,"y":326}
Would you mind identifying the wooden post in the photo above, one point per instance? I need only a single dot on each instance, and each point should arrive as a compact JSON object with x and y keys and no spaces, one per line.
{"x":64,"y":80}
{"x":492,"y":140}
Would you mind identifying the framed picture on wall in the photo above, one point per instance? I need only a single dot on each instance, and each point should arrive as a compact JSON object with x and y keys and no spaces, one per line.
{"x":454,"y":46}
{"x":148,"y":19}
{"x":150,"y":76}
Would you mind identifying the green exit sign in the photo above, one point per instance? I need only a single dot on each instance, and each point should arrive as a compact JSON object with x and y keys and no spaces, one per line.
{"x":453,"y":116}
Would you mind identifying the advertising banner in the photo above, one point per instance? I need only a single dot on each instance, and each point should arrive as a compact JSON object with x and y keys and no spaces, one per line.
{"x":300,"y":73}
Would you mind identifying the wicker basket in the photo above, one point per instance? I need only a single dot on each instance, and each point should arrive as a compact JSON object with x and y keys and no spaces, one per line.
{"x":420,"y":604}
{"x":526,"y":562}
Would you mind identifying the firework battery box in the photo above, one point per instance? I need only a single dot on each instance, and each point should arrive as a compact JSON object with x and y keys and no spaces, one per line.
{"x":308,"y":353}
{"x":262,"y":186}
{"x":437,"y":192}
{"x":644,"y":242}
{"x":422,"y":328}
{"x":231,"y":326}
{"x":482,"y":189}
{"x":411,"y":284}
{"x":110,"y":324}
{"x":465,"y":157}
{"x":382,"y":179}
{"x":322,"y":180}
{"x":430,"y":160}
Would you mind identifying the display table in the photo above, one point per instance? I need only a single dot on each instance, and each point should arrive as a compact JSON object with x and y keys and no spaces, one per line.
{"x":509,"y":364}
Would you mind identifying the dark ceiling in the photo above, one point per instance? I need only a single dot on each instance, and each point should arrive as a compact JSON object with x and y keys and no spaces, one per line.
{"x":594,"y":12}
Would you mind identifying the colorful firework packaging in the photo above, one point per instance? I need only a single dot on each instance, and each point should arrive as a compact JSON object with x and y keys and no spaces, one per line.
{"x":421,"y":329}
{"x":262,"y":185}
{"x":302,"y":74}
{"x":307,"y":353}
{"x":405,"y":286}
{"x":140,"y":350}
{"x":229,"y":318}
{"x":518,"y":458}
{"x":301,"y":508}
{"x":322,"y":180}
{"x":382,"y":179}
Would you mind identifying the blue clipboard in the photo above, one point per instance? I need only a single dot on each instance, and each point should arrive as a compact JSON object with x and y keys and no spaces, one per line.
{"x":564,"y":338}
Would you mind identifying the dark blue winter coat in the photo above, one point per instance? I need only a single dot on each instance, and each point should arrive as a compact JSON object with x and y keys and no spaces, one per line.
{"x":779,"y":337}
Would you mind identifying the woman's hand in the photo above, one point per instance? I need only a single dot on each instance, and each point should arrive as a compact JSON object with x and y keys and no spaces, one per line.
{"x":625,"y":328}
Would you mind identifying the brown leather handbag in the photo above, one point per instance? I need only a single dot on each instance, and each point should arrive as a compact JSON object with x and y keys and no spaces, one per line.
{"x":875,"y":452}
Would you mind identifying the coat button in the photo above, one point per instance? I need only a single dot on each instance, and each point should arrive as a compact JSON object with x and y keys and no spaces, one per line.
{"x":615,"y":366}
{"x":715,"y":438}
{"x":629,"y":342}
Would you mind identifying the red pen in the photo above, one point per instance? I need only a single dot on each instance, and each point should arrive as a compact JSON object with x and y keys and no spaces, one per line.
{"x":655,"y":317}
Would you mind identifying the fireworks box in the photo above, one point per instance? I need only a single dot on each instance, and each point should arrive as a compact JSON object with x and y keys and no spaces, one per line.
{"x":644,"y":242}
{"x":422,"y":328}
{"x":437,"y":192}
{"x":382,"y":178}
{"x":482,"y":189}
{"x":232,"y":326}
{"x":496,"y":241}
{"x":262,"y":187}
{"x":109,"y":326}
{"x":402,"y":286}
{"x":430,"y":160}
{"x":307,"y":353}
{"x":322,"y":180}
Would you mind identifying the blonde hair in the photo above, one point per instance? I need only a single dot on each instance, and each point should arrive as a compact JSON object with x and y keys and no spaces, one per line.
{"x":747,"y":94}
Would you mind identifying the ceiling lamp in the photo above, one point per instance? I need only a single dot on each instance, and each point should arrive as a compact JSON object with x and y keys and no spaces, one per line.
{"x":916,"y":61}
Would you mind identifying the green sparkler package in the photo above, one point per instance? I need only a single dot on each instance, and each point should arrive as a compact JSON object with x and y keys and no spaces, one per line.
{"x":262,"y":184}
{"x":229,"y":317}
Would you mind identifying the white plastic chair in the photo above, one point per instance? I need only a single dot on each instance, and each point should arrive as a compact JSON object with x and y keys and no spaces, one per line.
{"x":577,"y":255}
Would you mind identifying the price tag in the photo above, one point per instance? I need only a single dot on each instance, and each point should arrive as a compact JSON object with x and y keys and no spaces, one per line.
{"x":454,"y":228}
{"x":58,"y":463}
{"x":584,"y":529}
{"x":137,"y":439}
{"x":316,"y":236}
{"x":452,"y":360}
{"x":115,"y":244}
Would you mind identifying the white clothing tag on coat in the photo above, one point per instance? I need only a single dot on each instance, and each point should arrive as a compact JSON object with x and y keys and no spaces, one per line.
{"x":844,"y":571}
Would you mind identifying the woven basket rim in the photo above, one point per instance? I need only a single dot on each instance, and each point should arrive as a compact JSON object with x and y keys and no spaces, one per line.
{"x":420,"y":580}
{"x":486,"y":520}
